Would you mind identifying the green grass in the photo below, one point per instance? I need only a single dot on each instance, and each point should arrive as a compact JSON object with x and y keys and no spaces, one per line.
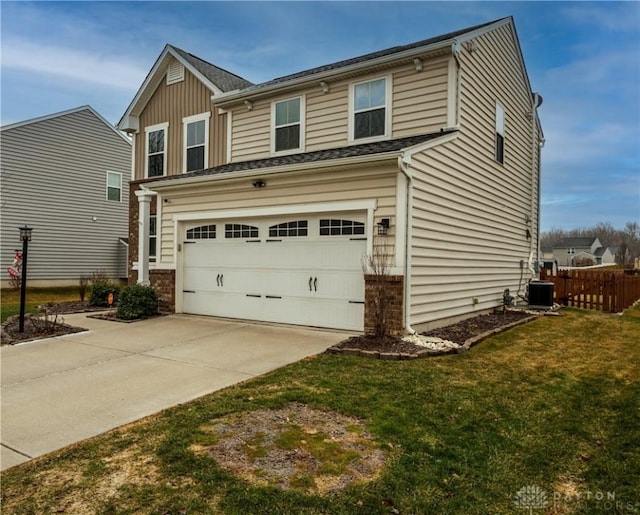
{"x":10,"y":299}
{"x":553,"y":404}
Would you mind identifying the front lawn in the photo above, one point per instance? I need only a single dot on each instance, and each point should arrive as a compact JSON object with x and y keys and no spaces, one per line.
{"x":10,"y":299}
{"x":544,"y":418}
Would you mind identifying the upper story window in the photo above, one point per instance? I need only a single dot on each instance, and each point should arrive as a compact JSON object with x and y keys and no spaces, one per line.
{"x":196,"y":138}
{"x":499,"y":133}
{"x":156,"y":145}
{"x":114,"y":186}
{"x":287,"y":118}
{"x":370,"y":108}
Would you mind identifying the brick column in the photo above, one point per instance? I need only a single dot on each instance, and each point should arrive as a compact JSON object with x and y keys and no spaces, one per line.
{"x":164,"y":283}
{"x":390,"y":290}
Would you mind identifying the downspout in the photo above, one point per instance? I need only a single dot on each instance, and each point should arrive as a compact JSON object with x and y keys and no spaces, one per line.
{"x":404,"y":168}
{"x":536,"y":101}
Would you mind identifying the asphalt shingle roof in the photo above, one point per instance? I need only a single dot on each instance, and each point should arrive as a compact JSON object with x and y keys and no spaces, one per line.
{"x":575,"y":242}
{"x":377,"y":147}
{"x":370,"y":56}
{"x":222,"y":78}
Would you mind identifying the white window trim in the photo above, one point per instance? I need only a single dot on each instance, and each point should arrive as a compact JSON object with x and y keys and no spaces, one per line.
{"x":303,"y":113}
{"x":107,"y":186}
{"x":147,"y":130}
{"x":186,"y":121}
{"x":154,"y":256}
{"x":388,"y":114}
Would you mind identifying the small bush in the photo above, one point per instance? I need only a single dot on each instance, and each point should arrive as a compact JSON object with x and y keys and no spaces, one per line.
{"x":100,"y":291}
{"x":83,"y":286}
{"x":137,"y":301}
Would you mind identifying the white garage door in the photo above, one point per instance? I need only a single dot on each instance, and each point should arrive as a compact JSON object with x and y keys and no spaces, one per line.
{"x":299,"y":270}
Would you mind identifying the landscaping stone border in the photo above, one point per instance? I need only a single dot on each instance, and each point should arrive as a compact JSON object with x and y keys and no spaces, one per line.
{"x":399,"y":356}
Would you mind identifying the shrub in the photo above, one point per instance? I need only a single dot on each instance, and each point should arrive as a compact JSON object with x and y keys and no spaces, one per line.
{"x":137,"y":301}
{"x":100,"y":290}
{"x":83,"y":286}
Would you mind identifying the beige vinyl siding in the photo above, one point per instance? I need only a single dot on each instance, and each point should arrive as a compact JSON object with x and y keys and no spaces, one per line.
{"x":469,"y":229}
{"x":420,"y":98}
{"x":54,"y":177}
{"x":327,"y":118}
{"x":171,"y":103}
{"x":251,"y":133}
{"x":335,"y":186}
{"x":419,"y":107}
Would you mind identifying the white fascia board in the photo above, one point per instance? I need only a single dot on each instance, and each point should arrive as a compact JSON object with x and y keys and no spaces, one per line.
{"x":235,"y":96}
{"x":65,"y":113}
{"x":265,"y":172}
{"x":256,"y":212}
{"x":153,"y":77}
{"x":408,"y":152}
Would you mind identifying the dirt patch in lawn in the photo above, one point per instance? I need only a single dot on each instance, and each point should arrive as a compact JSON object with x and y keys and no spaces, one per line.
{"x":296,"y":447}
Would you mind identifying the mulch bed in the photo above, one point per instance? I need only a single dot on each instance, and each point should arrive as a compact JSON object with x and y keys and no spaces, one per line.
{"x":459,"y":332}
{"x":10,"y":334}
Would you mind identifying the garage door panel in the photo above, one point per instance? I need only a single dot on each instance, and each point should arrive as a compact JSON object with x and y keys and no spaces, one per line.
{"x":309,"y":279}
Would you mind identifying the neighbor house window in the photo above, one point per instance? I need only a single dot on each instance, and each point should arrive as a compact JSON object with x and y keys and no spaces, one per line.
{"x":287,"y":124}
{"x":370,"y":108}
{"x":153,"y":236}
{"x":196,"y":136}
{"x":499,"y":133}
{"x":156,"y":145}
{"x":114,"y":186}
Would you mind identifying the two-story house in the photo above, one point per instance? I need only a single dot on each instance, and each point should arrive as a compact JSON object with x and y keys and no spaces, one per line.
{"x":583,"y":251}
{"x":66,"y":175}
{"x":430,"y":151}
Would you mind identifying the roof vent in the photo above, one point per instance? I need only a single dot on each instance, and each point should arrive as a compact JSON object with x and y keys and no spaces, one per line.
{"x":175,"y":73}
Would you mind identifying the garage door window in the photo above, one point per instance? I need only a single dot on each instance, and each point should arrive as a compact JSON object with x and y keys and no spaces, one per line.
{"x":333,"y":227}
{"x":240,"y":231}
{"x":202,"y":233}
{"x":296,"y":228}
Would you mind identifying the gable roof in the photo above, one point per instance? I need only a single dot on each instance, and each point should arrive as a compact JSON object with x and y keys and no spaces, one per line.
{"x":364,"y":149}
{"x":576,"y":242}
{"x":66,"y":113}
{"x":215,"y":79}
{"x":370,"y":60}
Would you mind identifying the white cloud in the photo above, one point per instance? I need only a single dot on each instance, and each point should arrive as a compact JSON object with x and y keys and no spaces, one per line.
{"x":612,"y":16}
{"x":72,"y":64}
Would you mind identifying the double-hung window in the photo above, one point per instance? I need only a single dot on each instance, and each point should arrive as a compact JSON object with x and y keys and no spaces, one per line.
{"x":156,"y":150}
{"x":196,"y":137}
{"x":499,"y":133}
{"x":288,"y":133}
{"x":114,"y":186}
{"x":370,"y":109}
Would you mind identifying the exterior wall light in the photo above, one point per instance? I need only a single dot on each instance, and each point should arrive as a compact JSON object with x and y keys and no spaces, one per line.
{"x":259,"y":183}
{"x":383,"y":226}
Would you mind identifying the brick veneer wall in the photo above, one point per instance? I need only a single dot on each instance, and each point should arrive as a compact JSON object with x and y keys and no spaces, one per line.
{"x":394,"y":291}
{"x":164,"y":283}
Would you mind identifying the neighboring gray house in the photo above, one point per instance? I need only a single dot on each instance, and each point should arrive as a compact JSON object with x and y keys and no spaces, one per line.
{"x":67,"y":176}
{"x":581,"y":251}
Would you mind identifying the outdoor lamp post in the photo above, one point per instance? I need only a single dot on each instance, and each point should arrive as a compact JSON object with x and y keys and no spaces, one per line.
{"x":25,"y":236}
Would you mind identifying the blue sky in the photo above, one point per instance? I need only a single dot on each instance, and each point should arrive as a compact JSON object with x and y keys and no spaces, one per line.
{"x":583,"y":57}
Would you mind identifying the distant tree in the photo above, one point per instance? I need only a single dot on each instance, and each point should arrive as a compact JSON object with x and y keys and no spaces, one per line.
{"x":609,"y":236}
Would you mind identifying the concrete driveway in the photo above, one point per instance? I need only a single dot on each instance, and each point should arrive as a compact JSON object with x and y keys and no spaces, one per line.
{"x":62,"y":390}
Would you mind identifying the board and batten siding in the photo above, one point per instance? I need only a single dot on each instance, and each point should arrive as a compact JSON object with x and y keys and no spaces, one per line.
{"x":419,"y":106}
{"x":469,"y":211}
{"x":375,"y":182}
{"x":54,"y":177}
{"x":170,"y":104}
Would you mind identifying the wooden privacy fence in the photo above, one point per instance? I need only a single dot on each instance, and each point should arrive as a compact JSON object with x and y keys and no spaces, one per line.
{"x":611,"y":291}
